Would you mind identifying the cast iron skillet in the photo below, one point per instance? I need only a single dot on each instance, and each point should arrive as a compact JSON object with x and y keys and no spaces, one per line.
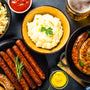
{"x":68,"y":51}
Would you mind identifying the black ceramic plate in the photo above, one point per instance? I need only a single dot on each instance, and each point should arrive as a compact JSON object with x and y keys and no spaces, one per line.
{"x":8,"y":15}
{"x":40,"y":59}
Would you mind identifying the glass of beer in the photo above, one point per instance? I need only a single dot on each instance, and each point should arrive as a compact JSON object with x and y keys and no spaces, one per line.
{"x":78,"y":9}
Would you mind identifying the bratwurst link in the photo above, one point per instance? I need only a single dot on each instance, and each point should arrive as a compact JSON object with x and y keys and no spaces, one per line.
{"x":77,"y":45}
{"x":30,"y":59}
{"x":10,"y":74}
{"x":27,"y":65}
{"x":29,"y":80}
{"x":13,"y":68}
{"x":80,"y":53}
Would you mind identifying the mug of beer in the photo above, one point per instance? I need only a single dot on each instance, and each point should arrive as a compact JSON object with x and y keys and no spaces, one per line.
{"x":78,"y":9}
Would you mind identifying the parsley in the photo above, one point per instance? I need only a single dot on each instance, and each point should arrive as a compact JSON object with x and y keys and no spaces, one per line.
{"x":88,"y":32}
{"x":19,"y":68}
{"x":80,"y":63}
{"x":47,"y":31}
{"x":0,"y":8}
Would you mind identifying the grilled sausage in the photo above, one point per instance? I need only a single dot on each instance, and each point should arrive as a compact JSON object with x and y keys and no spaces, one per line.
{"x":24,"y":72}
{"x":10,"y":74}
{"x":30,"y":59}
{"x":27,"y":66}
{"x":13,"y":68}
{"x":76,"y":47}
{"x":88,"y":57}
{"x":6,"y":83}
{"x":84,"y":57}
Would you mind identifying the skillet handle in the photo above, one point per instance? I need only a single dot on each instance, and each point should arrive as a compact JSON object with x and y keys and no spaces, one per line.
{"x":87,"y":88}
{"x":61,"y":57}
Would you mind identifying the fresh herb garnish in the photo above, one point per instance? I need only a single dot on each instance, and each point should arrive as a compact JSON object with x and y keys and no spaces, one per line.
{"x":88,"y":32}
{"x":0,"y":8}
{"x":47,"y":31}
{"x":19,"y":68}
{"x":80,"y":63}
{"x":61,"y":65}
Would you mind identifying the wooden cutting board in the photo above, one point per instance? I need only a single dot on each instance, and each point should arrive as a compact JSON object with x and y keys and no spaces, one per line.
{"x":69,"y":72}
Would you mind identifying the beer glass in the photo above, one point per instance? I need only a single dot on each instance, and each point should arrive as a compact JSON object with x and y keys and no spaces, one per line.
{"x":78,"y":9}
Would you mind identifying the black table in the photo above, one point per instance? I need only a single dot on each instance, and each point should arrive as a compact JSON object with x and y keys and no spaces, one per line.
{"x":52,"y":59}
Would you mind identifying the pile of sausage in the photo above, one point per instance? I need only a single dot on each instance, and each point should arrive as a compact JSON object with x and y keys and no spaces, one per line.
{"x":81,"y":53}
{"x":32,"y":75}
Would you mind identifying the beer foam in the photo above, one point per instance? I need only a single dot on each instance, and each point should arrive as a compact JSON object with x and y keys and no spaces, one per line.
{"x":80,"y":6}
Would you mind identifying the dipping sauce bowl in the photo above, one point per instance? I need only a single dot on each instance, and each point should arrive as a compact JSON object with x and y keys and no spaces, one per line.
{"x":19,"y":6}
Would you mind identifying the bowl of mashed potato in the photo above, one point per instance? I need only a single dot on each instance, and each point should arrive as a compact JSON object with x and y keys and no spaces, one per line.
{"x":45,"y":29}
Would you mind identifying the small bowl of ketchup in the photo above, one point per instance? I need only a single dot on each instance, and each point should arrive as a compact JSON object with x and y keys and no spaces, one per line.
{"x":19,"y":6}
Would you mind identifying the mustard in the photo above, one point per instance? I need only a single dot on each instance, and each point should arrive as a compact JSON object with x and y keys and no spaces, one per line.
{"x":58,"y":79}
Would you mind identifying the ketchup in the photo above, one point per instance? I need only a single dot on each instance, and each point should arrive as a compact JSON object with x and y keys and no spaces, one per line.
{"x":19,"y":5}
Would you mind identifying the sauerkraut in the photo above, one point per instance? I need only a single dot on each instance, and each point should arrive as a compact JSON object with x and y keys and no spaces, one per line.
{"x":3,"y":18}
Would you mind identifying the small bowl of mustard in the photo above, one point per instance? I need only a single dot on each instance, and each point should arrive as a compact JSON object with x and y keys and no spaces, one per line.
{"x":58,"y":79}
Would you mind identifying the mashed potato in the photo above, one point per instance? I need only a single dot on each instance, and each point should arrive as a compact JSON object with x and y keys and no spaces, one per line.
{"x":41,"y":39}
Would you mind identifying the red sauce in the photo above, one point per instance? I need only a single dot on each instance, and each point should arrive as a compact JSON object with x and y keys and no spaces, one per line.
{"x":19,"y":5}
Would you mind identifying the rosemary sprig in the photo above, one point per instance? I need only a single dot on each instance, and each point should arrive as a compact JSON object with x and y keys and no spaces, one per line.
{"x":19,"y":68}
